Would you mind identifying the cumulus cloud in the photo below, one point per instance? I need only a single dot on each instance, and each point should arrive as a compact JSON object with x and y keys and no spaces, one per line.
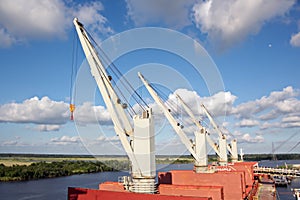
{"x":295,"y":40}
{"x":229,"y":22}
{"x":65,"y":140}
{"x":49,"y":115}
{"x":22,"y":20}
{"x":247,"y":123}
{"x":291,"y":118}
{"x":10,"y":143}
{"x":247,"y":138}
{"x":89,"y":15}
{"x":282,"y":124}
{"x":104,"y":138}
{"x":35,"y":110}
{"x":282,"y":101}
{"x":219,"y":104}
{"x":47,"y":127}
{"x":87,"y":113}
{"x":174,"y":14}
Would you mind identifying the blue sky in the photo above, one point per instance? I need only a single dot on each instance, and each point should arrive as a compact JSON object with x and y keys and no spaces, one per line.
{"x":255,"y":46}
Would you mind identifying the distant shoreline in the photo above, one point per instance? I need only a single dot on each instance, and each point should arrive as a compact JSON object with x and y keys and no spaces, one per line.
{"x":159,"y":158}
{"x":43,"y":170}
{"x":24,"y":167}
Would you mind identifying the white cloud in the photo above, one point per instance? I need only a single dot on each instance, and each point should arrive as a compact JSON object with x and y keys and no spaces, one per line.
{"x":47,"y":127}
{"x":89,"y":15}
{"x":49,"y":115}
{"x":283,"y":124}
{"x":22,"y":20}
{"x":290,"y":105}
{"x":218,"y":104}
{"x":35,"y":110}
{"x":247,"y":123}
{"x":65,"y":140}
{"x":281,"y":101}
{"x":229,"y":22}
{"x":273,"y":114}
{"x":10,"y":143}
{"x":247,"y":138}
{"x":291,"y":118}
{"x":174,"y":14}
{"x":295,"y":40}
{"x":104,"y":138}
{"x":87,"y":113}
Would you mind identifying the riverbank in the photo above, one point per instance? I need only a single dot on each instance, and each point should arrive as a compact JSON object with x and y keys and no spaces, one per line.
{"x":41,"y":170}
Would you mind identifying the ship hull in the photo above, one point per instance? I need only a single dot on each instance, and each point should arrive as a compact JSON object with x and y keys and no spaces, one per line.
{"x":232,"y":182}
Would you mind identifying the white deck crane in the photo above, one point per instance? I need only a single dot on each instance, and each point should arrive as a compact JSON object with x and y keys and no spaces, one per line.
{"x":198,"y":124}
{"x":199,"y":152}
{"x":138,"y":141}
{"x":223,"y":147}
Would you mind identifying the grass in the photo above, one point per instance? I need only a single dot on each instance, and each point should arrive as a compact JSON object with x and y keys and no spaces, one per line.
{"x":10,"y":160}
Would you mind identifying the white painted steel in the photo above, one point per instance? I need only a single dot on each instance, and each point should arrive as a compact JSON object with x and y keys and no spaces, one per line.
{"x":144,"y":145}
{"x":184,"y":139}
{"x":223,"y":159}
{"x":142,"y":155}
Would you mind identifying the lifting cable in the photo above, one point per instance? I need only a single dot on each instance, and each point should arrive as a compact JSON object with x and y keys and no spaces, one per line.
{"x":119,"y":76}
{"x":172,"y":106}
{"x":73,"y":75}
{"x":102,"y":74}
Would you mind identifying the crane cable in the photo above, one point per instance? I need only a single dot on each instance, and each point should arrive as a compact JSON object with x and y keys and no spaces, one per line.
{"x":108,"y":79}
{"x":172,"y":106}
{"x":119,"y":76}
{"x":73,"y":76}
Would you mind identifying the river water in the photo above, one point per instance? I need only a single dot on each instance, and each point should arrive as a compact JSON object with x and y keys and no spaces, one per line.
{"x":56,"y":188}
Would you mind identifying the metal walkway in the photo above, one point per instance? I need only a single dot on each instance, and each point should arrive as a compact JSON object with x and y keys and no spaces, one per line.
{"x":277,"y":171}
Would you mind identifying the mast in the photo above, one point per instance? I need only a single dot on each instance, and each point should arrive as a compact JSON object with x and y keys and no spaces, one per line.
{"x":137,"y":140}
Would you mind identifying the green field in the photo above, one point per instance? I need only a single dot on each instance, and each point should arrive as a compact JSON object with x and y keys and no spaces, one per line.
{"x":27,"y":159}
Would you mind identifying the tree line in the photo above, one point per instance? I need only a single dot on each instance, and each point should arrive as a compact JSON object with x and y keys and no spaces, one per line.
{"x":41,"y":170}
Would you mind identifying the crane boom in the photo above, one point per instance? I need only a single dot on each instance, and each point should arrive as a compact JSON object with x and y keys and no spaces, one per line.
{"x":232,"y":148}
{"x":185,"y":140}
{"x":223,"y":159}
{"x":198,"y":124}
{"x":111,"y":100}
{"x":140,"y":147}
{"x":212,"y":121}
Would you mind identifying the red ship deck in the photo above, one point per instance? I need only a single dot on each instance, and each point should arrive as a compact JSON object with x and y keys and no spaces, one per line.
{"x":233,"y":182}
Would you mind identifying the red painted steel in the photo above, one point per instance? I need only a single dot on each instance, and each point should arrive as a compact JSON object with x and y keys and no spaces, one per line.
{"x":89,"y":194}
{"x":227,"y":180}
{"x":215,"y":192}
{"x":232,"y":182}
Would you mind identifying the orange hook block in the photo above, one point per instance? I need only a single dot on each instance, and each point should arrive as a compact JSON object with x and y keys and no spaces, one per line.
{"x":72,"y":108}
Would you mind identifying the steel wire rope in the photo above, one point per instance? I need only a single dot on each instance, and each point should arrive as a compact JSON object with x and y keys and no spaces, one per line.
{"x":171,"y":105}
{"x":119,"y":74}
{"x":127,"y":102}
{"x":73,"y":68}
{"x":134,"y":97}
{"x":294,"y":147}
{"x":102,"y":74}
{"x":100,"y":71}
